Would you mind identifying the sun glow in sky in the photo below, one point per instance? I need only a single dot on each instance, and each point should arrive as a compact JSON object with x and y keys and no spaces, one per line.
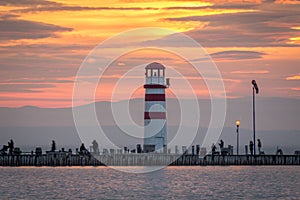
{"x":43,"y":44}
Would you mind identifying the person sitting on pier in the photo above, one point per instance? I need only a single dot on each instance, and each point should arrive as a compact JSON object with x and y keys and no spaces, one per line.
{"x":83,"y":150}
{"x":213,"y":149}
{"x":3,"y":150}
{"x":279,"y":151}
{"x":224,"y":151}
{"x":251,"y":145}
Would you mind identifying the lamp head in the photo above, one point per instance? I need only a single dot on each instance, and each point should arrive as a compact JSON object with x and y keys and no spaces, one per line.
{"x":237,"y":123}
{"x":255,"y":86}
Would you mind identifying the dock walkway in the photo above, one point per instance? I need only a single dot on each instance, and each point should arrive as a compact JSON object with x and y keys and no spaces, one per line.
{"x":64,"y":159}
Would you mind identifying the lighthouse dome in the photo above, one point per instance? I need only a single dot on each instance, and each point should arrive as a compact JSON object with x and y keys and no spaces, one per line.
{"x":155,"y":65}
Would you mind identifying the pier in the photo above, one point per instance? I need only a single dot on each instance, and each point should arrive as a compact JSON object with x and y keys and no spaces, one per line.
{"x":145,"y":159}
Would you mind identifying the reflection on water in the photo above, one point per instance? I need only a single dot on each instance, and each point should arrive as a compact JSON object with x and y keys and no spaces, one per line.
{"x":268,"y":182}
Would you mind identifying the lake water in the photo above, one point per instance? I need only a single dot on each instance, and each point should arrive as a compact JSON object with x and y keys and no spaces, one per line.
{"x":234,"y":182}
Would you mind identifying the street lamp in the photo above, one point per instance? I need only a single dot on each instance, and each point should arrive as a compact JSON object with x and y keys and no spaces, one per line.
{"x":237,"y":123}
{"x":254,"y":88}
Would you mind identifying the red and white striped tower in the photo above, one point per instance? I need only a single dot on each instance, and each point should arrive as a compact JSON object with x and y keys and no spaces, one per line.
{"x":155,"y":122}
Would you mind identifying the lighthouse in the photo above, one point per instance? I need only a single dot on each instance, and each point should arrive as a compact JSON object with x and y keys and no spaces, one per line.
{"x":155,"y":121}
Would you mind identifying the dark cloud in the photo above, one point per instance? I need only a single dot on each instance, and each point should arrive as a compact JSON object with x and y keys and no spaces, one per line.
{"x":249,"y":18}
{"x":45,"y":63}
{"x":269,"y":1}
{"x":34,"y":81}
{"x":8,"y":16}
{"x":216,"y":6}
{"x":37,"y":69}
{"x":265,"y":27}
{"x":27,"y":6}
{"x":15,"y":29}
{"x":76,"y":8}
{"x":47,"y":6}
{"x":232,"y":55}
{"x":51,"y":49}
{"x":237,"y":55}
{"x":24,"y":88}
{"x":30,"y":99}
{"x":44,"y":5}
{"x":27,"y":3}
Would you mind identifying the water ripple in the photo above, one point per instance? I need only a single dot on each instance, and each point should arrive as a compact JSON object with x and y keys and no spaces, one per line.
{"x":242,"y":182}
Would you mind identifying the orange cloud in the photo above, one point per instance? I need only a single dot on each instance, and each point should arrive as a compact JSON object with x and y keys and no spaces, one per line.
{"x":251,"y":72}
{"x":291,"y":78}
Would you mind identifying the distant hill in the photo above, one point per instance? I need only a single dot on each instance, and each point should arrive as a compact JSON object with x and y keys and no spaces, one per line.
{"x":272,"y":113}
{"x":277,"y":122}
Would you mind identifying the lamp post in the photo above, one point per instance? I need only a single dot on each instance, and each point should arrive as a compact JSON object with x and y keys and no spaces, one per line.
{"x":254,"y":90}
{"x":237,"y":123}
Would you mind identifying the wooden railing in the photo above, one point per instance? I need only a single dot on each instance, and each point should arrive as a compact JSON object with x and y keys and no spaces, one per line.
{"x":145,"y":160}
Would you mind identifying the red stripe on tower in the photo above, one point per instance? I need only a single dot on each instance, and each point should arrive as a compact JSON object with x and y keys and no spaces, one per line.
{"x":155,"y":115}
{"x":155,"y":97}
{"x":154,"y":86}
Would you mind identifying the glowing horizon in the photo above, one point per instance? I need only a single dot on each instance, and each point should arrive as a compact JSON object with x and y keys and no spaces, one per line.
{"x":43,"y":45}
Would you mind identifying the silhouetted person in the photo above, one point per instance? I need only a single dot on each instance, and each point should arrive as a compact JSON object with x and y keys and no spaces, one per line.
{"x":95,"y":147}
{"x":221,"y":144}
{"x":11,"y":146}
{"x":197,"y":149}
{"x":251,"y":145}
{"x":279,"y":151}
{"x":213,"y":149}
{"x":3,"y":150}
{"x":139,"y":148}
{"x":259,"y":145}
{"x":82,"y":149}
{"x":53,"y":146}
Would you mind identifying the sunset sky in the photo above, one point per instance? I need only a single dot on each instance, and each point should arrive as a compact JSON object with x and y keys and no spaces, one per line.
{"x":43,"y":44}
